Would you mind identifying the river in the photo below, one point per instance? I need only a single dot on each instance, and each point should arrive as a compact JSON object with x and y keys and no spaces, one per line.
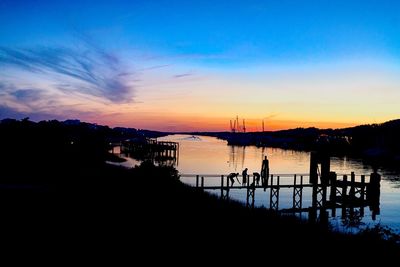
{"x":209,"y":155}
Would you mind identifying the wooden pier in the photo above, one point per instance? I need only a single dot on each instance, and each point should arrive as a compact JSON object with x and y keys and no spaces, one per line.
{"x":162,"y":152}
{"x":333,"y":193}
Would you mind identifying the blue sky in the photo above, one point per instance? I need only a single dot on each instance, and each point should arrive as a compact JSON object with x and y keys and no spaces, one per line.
{"x":138,"y":52}
{"x":243,"y":30}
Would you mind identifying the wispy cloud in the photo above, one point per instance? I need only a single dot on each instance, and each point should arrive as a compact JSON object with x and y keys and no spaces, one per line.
{"x":88,"y":70}
{"x":155,"y":67}
{"x":271,"y":116}
{"x":28,"y":95}
{"x":182,"y":75}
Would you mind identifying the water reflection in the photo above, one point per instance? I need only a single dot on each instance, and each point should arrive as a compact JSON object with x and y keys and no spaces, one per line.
{"x":164,"y":153}
{"x":213,"y":156}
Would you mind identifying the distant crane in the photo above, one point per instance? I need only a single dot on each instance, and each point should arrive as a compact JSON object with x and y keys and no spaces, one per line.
{"x":235,"y":127}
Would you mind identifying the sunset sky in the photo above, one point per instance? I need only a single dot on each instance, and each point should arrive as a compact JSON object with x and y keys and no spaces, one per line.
{"x":194,"y":65}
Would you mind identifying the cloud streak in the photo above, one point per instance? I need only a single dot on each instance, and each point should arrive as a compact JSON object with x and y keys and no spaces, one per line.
{"x":91,"y":70}
{"x":182,"y":75}
{"x":28,"y":95}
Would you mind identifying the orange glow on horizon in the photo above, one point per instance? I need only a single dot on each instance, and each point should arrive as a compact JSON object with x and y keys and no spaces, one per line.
{"x":204,"y":124}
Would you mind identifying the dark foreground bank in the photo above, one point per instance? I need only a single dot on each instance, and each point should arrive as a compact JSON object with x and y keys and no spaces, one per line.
{"x":148,"y":210}
{"x":60,"y":198}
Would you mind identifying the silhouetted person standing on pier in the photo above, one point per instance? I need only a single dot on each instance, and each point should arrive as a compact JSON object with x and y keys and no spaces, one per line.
{"x":244,"y":176}
{"x":264,"y":172}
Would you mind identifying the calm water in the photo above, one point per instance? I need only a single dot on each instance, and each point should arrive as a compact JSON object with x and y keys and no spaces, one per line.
{"x":208,"y":155}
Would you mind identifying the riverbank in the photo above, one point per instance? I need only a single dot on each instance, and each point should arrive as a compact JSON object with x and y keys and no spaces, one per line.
{"x":375,"y":143}
{"x":64,"y":195}
{"x":151,"y":209}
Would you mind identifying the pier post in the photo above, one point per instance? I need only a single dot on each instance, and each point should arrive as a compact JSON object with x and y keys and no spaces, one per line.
{"x":352,"y":187}
{"x":332,"y":196}
{"x":373,"y":193}
{"x":197,"y":181}
{"x":301,"y":191}
{"x":222,"y":186}
{"x":344,"y":189}
{"x":277,"y":193}
{"x":313,"y":169}
{"x":324,"y":195}
{"x":247,"y":191}
{"x":344,"y":196}
{"x":271,"y":191}
{"x":362,"y":195}
{"x":202,"y":182}
{"x":227,"y":188}
{"x":294,"y":192}
{"x":314,"y":203}
{"x":253,"y":193}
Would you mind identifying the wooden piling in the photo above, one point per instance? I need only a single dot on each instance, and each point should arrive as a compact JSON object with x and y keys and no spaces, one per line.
{"x":271,"y":190}
{"x":301,"y":191}
{"x":332,"y":196}
{"x":352,"y":187}
{"x":344,"y":196}
{"x":202,"y":182}
{"x":277,"y":193}
{"x":253,"y":193}
{"x":313,"y":171}
{"x":362,"y":193}
{"x":314,"y":203}
{"x":197,"y":181}
{"x":247,"y":192}
{"x":294,"y":191}
{"x":344,"y":189}
{"x":227,"y":188}
{"x":222,"y":185}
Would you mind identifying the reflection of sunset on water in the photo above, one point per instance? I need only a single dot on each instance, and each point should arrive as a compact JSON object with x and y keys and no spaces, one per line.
{"x":210,"y":155}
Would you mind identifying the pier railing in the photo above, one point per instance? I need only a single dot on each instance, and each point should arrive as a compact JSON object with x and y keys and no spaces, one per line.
{"x":338,"y":191}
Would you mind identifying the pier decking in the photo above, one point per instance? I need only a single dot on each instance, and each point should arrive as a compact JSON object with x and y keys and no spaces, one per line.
{"x":151,"y":149}
{"x":331,"y":194}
